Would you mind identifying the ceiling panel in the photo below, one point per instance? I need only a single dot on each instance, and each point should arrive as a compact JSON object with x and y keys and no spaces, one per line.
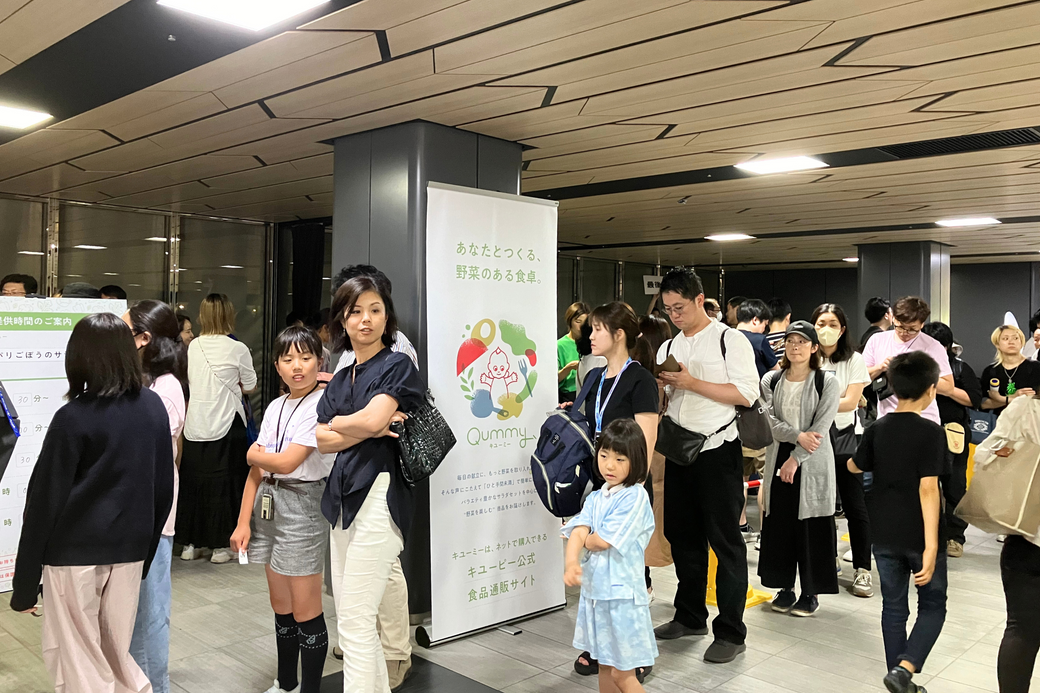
{"x":48,"y":179}
{"x":38,"y":24}
{"x":198,"y":107}
{"x":378,"y":14}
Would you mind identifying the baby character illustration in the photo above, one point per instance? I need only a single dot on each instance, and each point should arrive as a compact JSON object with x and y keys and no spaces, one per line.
{"x":498,"y":369}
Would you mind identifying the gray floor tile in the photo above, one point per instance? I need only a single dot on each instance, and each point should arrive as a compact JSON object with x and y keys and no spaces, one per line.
{"x":480,"y":664}
{"x":541,"y":683}
{"x":805,"y":679}
{"x":216,"y":672}
{"x":528,"y":647}
{"x":23,"y":672}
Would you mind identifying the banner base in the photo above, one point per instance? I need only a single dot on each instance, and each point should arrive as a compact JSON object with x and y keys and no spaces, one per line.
{"x":422,"y":636}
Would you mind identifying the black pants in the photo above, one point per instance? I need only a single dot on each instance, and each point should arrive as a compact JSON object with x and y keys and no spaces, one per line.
{"x":790,"y":545}
{"x":954,"y":486}
{"x":702,"y":504}
{"x":850,"y":488}
{"x":1020,"y":572}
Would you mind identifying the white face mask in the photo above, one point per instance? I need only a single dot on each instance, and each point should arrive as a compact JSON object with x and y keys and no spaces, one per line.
{"x":828,"y":335}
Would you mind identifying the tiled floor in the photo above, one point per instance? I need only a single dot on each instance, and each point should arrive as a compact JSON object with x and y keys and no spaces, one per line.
{"x":222,"y":641}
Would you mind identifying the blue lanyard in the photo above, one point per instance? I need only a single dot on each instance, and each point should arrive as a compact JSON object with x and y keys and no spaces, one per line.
{"x":11,"y":419}
{"x":599,"y":394}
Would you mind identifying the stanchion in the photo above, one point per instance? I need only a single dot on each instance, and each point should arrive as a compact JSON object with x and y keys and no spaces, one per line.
{"x":754,"y":597}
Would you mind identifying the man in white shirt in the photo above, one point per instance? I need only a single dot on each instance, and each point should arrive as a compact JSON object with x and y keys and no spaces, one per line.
{"x":703,"y":501}
{"x":393,"y":617}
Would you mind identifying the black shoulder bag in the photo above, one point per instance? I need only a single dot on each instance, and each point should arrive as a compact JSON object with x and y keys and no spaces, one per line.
{"x":424,"y":440}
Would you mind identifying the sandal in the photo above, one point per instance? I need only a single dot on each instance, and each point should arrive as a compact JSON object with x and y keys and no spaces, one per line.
{"x":588,"y":667}
{"x":642,"y":673}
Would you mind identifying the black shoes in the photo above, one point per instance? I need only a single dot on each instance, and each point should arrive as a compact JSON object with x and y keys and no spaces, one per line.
{"x":783,"y":602}
{"x":674,"y":630}
{"x":807,"y":605}
{"x":722,"y":652}
{"x":899,"y":680}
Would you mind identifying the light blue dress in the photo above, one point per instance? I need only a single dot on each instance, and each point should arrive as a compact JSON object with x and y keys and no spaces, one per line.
{"x":614,"y":610}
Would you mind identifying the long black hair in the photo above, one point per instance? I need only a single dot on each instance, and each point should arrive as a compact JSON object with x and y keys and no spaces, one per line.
{"x":844,"y":350}
{"x":165,"y":352}
{"x":101,"y":359}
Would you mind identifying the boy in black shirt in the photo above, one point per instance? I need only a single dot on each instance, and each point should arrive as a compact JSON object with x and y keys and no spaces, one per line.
{"x":907,"y":454}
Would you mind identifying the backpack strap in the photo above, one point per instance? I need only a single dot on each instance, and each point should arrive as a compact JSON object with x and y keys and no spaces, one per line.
{"x":819,"y":383}
{"x":586,"y":388}
{"x":774,"y":380}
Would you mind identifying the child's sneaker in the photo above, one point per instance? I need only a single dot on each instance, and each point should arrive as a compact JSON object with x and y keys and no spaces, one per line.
{"x":783,"y":602}
{"x":899,"y":680}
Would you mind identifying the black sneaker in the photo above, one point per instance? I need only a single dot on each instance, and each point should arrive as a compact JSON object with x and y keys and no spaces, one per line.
{"x":783,"y":602}
{"x":899,"y":680}
{"x":674,"y":630}
{"x":722,"y":652}
{"x":807,"y":605}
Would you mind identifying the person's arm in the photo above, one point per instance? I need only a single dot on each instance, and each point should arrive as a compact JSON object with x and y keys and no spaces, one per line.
{"x":242,"y":534}
{"x":595,"y":543}
{"x":572,"y":565}
{"x":850,"y":401}
{"x":783,"y":432}
{"x":246,"y":372}
{"x":929,"y":490}
{"x":648,"y":422}
{"x":743,"y":387}
{"x":48,"y":492}
{"x":945,"y":386}
{"x":970,"y":386}
{"x":285,"y":462}
{"x":823,"y":418}
{"x":863,"y":460}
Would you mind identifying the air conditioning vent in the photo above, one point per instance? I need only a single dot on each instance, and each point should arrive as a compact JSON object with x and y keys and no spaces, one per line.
{"x":965,"y":143}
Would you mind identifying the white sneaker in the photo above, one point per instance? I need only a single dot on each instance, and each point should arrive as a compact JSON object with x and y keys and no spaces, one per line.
{"x":847,"y":557}
{"x":758,"y":543}
{"x":862,"y":585}
{"x":189,"y":553}
{"x":220,"y":556}
{"x":276,"y":688}
{"x":1001,"y":538}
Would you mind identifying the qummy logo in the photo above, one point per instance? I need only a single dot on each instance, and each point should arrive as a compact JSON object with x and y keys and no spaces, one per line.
{"x":495,"y":366}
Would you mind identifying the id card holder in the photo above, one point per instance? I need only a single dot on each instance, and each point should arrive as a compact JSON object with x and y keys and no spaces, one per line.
{"x":266,"y":506}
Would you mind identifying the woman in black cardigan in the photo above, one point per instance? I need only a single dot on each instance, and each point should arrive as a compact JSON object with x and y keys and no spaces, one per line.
{"x":97,"y":501}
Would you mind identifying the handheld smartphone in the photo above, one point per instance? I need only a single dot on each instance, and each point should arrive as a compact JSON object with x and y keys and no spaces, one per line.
{"x":670,"y":365}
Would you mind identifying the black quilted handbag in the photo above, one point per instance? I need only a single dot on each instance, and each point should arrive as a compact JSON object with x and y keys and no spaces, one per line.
{"x":424,"y":440}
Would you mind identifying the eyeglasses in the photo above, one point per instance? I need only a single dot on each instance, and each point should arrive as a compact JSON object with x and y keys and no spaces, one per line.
{"x":677,"y":310}
{"x":909,"y":332}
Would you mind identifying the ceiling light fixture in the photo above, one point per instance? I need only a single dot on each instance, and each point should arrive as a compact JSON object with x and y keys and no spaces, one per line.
{"x":971,"y":221}
{"x":19,"y":118}
{"x":729,"y":237}
{"x":157,"y":239}
{"x":850,"y":259}
{"x":248,"y":14}
{"x":111,"y":274}
{"x":30,"y":252}
{"x":791,"y":163}
{"x":231,"y":266}
{"x":91,"y":247}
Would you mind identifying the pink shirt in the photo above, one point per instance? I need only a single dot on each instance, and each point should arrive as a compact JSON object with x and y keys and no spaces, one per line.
{"x":886,"y":345}
{"x":172,"y":394}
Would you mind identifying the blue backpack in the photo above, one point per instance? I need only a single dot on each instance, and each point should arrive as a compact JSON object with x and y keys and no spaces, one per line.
{"x":562,"y":459}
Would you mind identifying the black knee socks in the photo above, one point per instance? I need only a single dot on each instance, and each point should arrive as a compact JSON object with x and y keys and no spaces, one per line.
{"x":288,"y":641}
{"x":314,"y":646}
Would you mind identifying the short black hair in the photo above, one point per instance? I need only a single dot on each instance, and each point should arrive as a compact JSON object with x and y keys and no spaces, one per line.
{"x":101,"y":359}
{"x":584,"y":342}
{"x":625,"y":437}
{"x":304,"y":339}
{"x":778,"y":308}
{"x":684,"y":282}
{"x":735,"y":302}
{"x":295,"y":317}
{"x":28,"y":283}
{"x":80,"y":290}
{"x":1034,"y":322}
{"x":346,"y":298}
{"x":911,"y":374}
{"x":319,"y":319}
{"x":113,"y":291}
{"x":354,"y":271}
{"x":877,"y":308}
{"x":940,"y":332}
{"x":753,"y":308}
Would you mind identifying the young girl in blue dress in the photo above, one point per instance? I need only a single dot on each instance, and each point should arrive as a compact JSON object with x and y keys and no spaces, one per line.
{"x":614,"y":528}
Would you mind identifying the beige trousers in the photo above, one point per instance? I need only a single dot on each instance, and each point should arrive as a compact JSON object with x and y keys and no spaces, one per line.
{"x":394,"y":627}
{"x":88,"y":620}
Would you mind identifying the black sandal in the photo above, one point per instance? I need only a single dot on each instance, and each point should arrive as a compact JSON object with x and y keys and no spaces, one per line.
{"x":590,"y":669}
{"x":642,"y":673}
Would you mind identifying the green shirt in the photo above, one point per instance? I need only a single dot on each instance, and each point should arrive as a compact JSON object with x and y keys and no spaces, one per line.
{"x":567,"y":352}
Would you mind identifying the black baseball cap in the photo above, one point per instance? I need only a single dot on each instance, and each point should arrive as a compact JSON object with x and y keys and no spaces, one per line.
{"x":804,"y":329}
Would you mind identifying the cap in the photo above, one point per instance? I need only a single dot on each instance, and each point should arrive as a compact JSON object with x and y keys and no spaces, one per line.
{"x":801,"y":327}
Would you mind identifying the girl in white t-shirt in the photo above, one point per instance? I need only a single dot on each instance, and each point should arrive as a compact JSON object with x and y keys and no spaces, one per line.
{"x":839,"y":357}
{"x":280,"y":523}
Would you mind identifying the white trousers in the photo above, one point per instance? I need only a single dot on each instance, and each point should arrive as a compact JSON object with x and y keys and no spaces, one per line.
{"x":88,"y":620}
{"x":363,"y":558}
{"x":393,"y":622}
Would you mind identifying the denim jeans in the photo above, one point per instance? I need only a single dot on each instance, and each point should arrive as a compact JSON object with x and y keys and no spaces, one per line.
{"x":150,"y":646}
{"x":896,"y":568}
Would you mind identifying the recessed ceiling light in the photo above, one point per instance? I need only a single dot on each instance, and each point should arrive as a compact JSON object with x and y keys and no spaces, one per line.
{"x":728,"y":237}
{"x":30,"y":252}
{"x":20,"y":118}
{"x":91,"y":247}
{"x":850,"y":259}
{"x":111,"y":274}
{"x":133,"y":285}
{"x":156,"y":239}
{"x":791,"y":163}
{"x":231,"y":266}
{"x":248,"y":14}
{"x":971,"y":221}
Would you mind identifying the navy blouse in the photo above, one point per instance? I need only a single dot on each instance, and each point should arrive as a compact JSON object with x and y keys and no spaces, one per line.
{"x":356,"y":468}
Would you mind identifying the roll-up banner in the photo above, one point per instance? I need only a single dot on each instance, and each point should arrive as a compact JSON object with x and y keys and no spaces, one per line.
{"x":496,"y":554}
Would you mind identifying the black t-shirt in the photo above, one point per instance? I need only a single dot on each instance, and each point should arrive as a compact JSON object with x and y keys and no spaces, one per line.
{"x":765,"y":359}
{"x":964,"y":378}
{"x":871,"y":331}
{"x":636,"y":393}
{"x":1025,"y":375}
{"x":901,"y":449}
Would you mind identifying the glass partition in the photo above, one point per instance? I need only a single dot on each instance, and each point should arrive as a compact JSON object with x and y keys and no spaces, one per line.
{"x":599,"y":283}
{"x":22,"y":237}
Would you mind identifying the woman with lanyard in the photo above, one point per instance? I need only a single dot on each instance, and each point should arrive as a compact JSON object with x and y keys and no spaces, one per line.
{"x":280,"y":522}
{"x":1011,"y":374}
{"x":839,"y":358}
{"x":622,"y":390}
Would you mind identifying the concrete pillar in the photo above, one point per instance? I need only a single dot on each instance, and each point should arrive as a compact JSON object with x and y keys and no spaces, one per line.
{"x":894,"y":270}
